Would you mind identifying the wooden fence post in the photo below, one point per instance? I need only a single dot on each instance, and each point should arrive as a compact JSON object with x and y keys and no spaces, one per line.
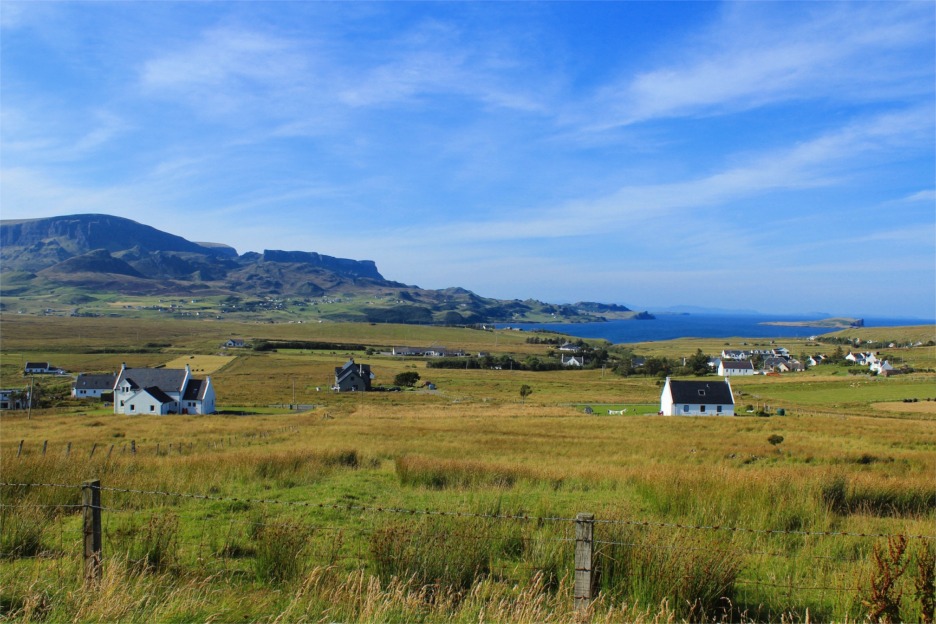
{"x":45,"y":443}
{"x":133,"y":446}
{"x":93,"y":448}
{"x":19,"y":451}
{"x":584,"y":570}
{"x":91,"y":500}
{"x":68,"y":450}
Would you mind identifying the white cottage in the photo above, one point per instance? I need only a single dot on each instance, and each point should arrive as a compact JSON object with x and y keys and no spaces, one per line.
{"x":697,"y":398}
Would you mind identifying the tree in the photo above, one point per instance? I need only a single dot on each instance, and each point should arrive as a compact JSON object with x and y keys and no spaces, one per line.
{"x":698,"y":363}
{"x":525,"y":391}
{"x":407,"y":378}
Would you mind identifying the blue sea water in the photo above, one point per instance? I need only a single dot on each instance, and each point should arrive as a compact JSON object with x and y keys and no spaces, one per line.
{"x":670,"y":326}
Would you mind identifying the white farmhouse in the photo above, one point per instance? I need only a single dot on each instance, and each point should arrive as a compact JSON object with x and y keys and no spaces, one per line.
{"x":162,"y":391}
{"x":697,"y":398}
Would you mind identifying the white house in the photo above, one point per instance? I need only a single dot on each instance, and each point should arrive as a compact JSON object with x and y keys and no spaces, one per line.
{"x":881,"y":366}
{"x":40,"y":368}
{"x":573,"y":360}
{"x":235,"y":343}
{"x":162,"y":391}
{"x":14,"y":399}
{"x":697,"y":398}
{"x":93,"y":386}
{"x":728,"y":368}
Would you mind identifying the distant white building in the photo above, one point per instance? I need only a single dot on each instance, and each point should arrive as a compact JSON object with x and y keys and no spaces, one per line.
{"x":729,"y":368}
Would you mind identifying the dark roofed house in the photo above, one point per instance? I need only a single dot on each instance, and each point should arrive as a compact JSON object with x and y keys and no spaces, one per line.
{"x":697,"y":398}
{"x":162,"y":391}
{"x":40,"y":368}
{"x":92,"y":386}
{"x":352,"y":377}
{"x":727,"y":368}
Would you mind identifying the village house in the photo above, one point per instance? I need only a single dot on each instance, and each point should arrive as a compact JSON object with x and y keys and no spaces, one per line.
{"x":41,"y":368}
{"x":573,"y":360}
{"x":91,"y":386}
{"x":162,"y":391}
{"x":352,"y":377}
{"x":12,"y":399}
{"x":697,"y":398}
{"x":235,"y":343}
{"x":728,"y":368}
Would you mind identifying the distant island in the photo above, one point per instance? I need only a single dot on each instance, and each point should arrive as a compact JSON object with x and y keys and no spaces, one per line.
{"x":833,"y":323}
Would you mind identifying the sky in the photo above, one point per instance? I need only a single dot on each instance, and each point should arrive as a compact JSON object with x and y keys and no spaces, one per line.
{"x":779,"y":157}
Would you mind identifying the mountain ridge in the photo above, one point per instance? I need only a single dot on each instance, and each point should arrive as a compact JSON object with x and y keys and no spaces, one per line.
{"x":95,"y":254}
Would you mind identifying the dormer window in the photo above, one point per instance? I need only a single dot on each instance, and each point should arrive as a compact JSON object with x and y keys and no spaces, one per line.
{"x":701,"y":392}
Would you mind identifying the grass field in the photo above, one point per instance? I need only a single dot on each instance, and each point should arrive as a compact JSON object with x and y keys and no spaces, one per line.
{"x":302,"y":517}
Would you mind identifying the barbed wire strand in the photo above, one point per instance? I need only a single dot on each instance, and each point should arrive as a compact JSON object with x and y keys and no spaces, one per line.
{"x":461,"y":514}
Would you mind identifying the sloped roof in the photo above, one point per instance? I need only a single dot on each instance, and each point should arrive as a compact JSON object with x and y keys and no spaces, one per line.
{"x":738,"y":364}
{"x":701,"y":392}
{"x":166,"y":379}
{"x":158,"y":394}
{"x":88,"y":381}
{"x":195,"y":390}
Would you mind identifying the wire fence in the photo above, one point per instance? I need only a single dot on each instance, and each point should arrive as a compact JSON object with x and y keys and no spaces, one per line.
{"x":133,"y":448}
{"x":274,"y":540}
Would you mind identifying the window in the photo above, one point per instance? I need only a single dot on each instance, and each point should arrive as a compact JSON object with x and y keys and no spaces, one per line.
{"x":701,"y":408}
{"x":718,"y":409}
{"x":685,"y":408}
{"x":152,"y":408}
{"x":701,"y":392}
{"x":132,"y":407}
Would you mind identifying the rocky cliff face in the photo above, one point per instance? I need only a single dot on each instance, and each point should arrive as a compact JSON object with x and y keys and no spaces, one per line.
{"x":73,"y":248}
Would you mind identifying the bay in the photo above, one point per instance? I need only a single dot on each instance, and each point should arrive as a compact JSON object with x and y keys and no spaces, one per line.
{"x":671,"y":326}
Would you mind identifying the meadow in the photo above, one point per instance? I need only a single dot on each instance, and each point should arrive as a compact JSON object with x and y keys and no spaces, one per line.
{"x":458,"y":504}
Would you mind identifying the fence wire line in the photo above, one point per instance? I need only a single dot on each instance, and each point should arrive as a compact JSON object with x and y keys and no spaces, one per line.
{"x":463,"y":514}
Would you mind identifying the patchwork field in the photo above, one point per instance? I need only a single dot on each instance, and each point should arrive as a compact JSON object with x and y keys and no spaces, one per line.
{"x":458,"y":504}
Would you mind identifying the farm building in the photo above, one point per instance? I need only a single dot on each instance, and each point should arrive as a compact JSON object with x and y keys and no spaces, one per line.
{"x":697,"y":398}
{"x":162,"y":391}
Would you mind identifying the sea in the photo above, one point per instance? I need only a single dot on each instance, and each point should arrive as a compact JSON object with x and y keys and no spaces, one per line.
{"x":670,"y":326}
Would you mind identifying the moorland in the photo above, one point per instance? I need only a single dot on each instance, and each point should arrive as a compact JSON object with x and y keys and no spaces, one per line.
{"x":458,"y":503}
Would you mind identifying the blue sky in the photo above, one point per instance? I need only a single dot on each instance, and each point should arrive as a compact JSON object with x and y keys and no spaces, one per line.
{"x":769,"y":156}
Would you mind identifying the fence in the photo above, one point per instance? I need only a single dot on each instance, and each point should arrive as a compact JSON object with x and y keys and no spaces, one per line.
{"x":160,"y":448}
{"x":592,"y":547}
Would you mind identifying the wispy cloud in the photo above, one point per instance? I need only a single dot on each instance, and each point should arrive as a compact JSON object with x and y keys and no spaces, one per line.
{"x":759,"y":54}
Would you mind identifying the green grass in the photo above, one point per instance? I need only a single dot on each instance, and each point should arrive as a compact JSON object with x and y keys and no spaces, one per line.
{"x":338,"y":548}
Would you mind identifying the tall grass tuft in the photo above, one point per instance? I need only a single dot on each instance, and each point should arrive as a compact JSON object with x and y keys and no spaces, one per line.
{"x":153,"y":546}
{"x":279,"y":551}
{"x":21,"y":531}
{"x":441,"y":474}
{"x":694,"y":574}
{"x":436,"y":553}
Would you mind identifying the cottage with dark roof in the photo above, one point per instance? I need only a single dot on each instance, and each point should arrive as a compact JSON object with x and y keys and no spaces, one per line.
{"x":697,"y":398}
{"x":90,"y":386}
{"x":162,"y":391}
{"x":352,"y":377}
{"x":727,"y":368}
